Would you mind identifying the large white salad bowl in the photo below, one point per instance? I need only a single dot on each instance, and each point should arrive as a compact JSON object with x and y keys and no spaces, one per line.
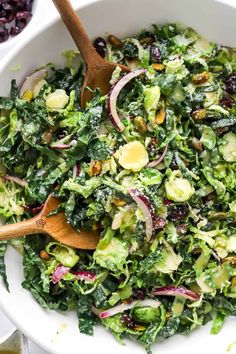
{"x":57,"y":332}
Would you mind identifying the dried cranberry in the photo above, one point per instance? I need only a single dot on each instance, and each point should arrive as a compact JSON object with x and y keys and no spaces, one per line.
{"x":155,"y":54}
{"x":21,"y":23}
{"x":8,"y":11}
{"x":77,"y":169}
{"x":34,"y":209}
{"x":100,"y":46}
{"x":3,"y":20}
{"x":209,"y":197}
{"x":167,"y":201}
{"x":227,"y":101}
{"x":159,"y":223}
{"x":15,"y":30}
{"x":128,"y":321}
{"x":174,"y":165}
{"x":60,"y":134}
{"x":4,"y":34}
{"x":28,"y":5}
{"x":230,"y":83}
{"x":23,"y":15}
{"x":222,"y":130}
{"x":153,"y":147}
{"x":178,"y":212}
{"x":139,"y":293}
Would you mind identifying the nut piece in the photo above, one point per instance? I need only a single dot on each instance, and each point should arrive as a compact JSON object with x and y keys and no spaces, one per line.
{"x":233,"y":281}
{"x":146,"y":40}
{"x":197,"y":144}
{"x":139,"y":328}
{"x":44,"y":255}
{"x":201,"y":78}
{"x":199,"y":114}
{"x":231,"y":260}
{"x":158,"y":67}
{"x":160,"y":117}
{"x":119,"y":202}
{"x":115,"y":42}
{"x":28,"y":95}
{"x":95,"y":168}
{"x":140,"y":124}
{"x":47,"y":136}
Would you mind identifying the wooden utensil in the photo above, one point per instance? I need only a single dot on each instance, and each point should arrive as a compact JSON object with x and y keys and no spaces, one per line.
{"x":98,"y":70}
{"x":55,"y":226}
{"x":98,"y":75}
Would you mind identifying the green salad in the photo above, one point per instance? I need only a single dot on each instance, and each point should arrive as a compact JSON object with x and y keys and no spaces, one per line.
{"x":151,"y":167}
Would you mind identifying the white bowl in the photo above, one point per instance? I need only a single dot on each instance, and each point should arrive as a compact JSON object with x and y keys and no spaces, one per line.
{"x":13,"y":40}
{"x":56,"y":332}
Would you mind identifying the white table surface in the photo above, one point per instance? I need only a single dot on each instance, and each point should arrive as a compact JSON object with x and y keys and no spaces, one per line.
{"x":44,"y":7}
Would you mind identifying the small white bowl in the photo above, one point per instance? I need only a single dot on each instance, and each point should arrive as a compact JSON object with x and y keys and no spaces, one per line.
{"x":57,"y":332}
{"x":12,"y":40}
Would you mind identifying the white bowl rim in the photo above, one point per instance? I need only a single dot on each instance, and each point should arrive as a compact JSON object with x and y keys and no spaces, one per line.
{"x":51,"y":22}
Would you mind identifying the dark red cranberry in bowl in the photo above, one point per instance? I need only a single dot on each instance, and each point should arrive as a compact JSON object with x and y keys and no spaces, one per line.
{"x":221,"y":131}
{"x":155,"y":54}
{"x":100,"y":46}
{"x":139,"y":293}
{"x":159,"y":223}
{"x":15,"y":30}
{"x":128,"y":321}
{"x":4,"y":34}
{"x":23,"y":15}
{"x":230,"y":83}
{"x":227,"y":101}
{"x":178,"y":212}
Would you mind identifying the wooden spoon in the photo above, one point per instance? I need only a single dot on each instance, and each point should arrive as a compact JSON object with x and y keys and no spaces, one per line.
{"x":56,"y":226}
{"x":98,"y":70}
{"x":98,"y":75}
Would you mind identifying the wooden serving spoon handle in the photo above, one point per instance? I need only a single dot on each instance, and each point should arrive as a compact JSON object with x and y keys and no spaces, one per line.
{"x":78,"y":33}
{"x":55,"y":225}
{"x":22,"y":228}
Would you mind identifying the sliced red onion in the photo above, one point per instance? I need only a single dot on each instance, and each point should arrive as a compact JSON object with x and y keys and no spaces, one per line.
{"x":16,"y":180}
{"x":59,"y":273}
{"x":85,"y":275}
{"x":124,"y":307}
{"x":159,"y":160}
{"x":147,"y":208}
{"x":113,"y":95}
{"x":76,"y":170}
{"x":172,"y":290}
{"x":32,"y":80}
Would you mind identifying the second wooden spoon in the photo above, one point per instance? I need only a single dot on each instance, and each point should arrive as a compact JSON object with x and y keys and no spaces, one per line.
{"x":56,"y":226}
{"x":98,"y":70}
